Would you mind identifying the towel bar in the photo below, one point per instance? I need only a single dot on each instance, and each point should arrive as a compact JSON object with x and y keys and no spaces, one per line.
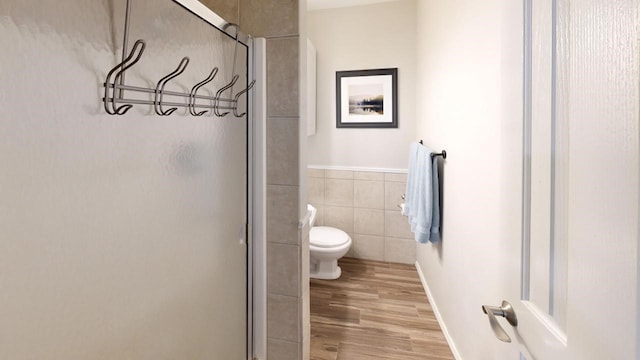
{"x":443,"y":153}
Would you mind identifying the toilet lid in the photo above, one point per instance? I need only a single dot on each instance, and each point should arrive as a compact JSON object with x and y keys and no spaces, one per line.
{"x":326,"y":237}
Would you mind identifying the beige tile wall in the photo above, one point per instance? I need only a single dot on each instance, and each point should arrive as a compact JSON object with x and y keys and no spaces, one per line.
{"x":287,"y":245}
{"x":277,"y":21}
{"x":227,"y":9}
{"x":365,"y":205}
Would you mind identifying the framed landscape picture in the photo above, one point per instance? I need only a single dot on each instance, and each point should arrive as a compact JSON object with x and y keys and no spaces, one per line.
{"x":367,"y":98}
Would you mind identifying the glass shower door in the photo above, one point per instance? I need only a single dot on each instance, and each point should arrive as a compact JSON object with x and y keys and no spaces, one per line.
{"x":121,"y":237}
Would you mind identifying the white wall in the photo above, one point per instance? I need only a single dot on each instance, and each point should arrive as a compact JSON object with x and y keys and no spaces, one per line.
{"x":355,"y":38}
{"x":469,"y":86}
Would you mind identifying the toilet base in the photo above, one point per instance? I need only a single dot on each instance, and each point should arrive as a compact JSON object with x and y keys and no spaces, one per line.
{"x":325,"y":270}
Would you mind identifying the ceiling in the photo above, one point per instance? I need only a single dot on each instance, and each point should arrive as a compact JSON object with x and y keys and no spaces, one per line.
{"x":328,"y":4}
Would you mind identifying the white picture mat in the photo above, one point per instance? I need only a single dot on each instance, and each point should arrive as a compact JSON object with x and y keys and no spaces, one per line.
{"x":385,"y":80}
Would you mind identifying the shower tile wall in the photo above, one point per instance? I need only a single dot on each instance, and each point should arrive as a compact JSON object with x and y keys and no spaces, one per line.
{"x":365,"y":205}
{"x":277,"y":21}
{"x":287,"y":244}
{"x":227,"y":9}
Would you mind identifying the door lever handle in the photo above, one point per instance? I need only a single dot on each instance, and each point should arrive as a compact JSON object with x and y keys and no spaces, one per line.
{"x":506,"y":311}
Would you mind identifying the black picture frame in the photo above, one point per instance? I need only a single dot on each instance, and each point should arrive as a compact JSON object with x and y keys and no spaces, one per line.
{"x":367,"y":98}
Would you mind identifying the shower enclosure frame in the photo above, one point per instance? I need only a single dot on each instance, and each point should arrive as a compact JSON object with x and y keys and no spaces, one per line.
{"x":255,"y":231}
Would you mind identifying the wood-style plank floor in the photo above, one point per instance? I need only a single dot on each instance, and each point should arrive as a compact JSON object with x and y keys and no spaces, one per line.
{"x":375,"y":311}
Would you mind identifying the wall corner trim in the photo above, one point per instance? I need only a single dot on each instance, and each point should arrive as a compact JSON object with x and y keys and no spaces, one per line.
{"x":443,"y":326}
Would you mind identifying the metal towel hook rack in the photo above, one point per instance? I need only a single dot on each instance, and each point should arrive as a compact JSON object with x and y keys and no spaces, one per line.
{"x":234,"y":77}
{"x":235,"y":52}
{"x":443,"y":153}
{"x":216,"y":107}
{"x":113,"y":90}
{"x":157,"y":104}
{"x":194,"y":91}
{"x":114,"y":87}
{"x":110,"y":101}
{"x":235,"y":100}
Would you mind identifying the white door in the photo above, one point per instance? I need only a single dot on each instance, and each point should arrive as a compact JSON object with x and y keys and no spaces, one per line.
{"x":579,"y":284}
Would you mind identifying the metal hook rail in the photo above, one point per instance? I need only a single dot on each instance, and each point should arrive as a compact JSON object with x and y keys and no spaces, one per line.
{"x":114,"y":89}
{"x":443,"y":153}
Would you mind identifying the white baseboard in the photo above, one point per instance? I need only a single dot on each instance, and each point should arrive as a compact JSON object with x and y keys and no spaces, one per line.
{"x":447,"y":336}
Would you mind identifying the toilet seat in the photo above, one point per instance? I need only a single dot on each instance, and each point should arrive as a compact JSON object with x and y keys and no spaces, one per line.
{"x":327,"y":237}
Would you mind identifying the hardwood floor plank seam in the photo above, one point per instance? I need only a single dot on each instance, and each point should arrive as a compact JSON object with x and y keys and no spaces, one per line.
{"x":376,"y":310}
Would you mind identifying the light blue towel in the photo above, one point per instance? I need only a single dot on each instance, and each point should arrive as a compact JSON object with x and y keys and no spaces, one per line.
{"x":422,"y":196}
{"x":407,"y":210}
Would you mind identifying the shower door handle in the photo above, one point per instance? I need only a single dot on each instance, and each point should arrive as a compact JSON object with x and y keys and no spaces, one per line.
{"x":506,"y":311}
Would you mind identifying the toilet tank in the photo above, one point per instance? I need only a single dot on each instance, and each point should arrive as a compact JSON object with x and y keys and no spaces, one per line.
{"x":312,"y":215}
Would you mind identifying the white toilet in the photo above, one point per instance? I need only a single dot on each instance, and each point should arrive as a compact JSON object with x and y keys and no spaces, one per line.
{"x":326,"y":246}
